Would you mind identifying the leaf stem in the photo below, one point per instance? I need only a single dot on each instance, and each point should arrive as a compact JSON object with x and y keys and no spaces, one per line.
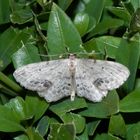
{"x":6,"y":80}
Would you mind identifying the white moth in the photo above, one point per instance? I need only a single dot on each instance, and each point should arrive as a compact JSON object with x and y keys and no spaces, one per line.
{"x":87,"y":78}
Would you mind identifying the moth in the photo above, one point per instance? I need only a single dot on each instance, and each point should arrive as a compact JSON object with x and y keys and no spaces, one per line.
{"x":86,"y":78}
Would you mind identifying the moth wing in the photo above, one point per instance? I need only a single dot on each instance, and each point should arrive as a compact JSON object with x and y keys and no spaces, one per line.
{"x":95,"y":78}
{"x":50,"y":79}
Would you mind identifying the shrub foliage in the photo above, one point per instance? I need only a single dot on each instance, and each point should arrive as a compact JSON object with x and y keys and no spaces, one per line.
{"x":32,"y":29}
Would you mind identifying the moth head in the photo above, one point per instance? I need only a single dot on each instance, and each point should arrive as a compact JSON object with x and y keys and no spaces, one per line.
{"x":72,"y":56}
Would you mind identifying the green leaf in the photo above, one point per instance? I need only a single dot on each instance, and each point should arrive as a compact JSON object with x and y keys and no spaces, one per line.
{"x":62,"y":132}
{"x":137,"y":83}
{"x":17,"y":105}
{"x":9,"y":120}
{"x":131,"y":103}
{"x":105,"y":25}
{"x":91,"y":127}
{"x":33,"y":135}
{"x":119,"y":128}
{"x":107,"y":45}
{"x":133,"y":131}
{"x":84,"y":135}
{"x":4,"y":90}
{"x":10,"y":83}
{"x":95,"y":8}
{"x":35,"y":106}
{"x":67,"y":105}
{"x":106,"y":137}
{"x":4,"y":11}
{"x":128,"y":54}
{"x":81,"y":22}
{"x":64,"y":4}
{"x":27,"y":109}
{"x":62,"y":34}
{"x":21,"y":137}
{"x":21,"y":11}
{"x":108,"y":106}
{"x":78,"y":121}
{"x":121,"y":13}
{"x":43,"y":126}
{"x":135,"y":21}
{"x":37,"y":136}
{"x":10,"y":41}
{"x":135,"y":4}
{"x":28,"y":53}
{"x":21,"y":16}
{"x":3,"y":98}
{"x":91,"y":45}
{"x":92,"y":24}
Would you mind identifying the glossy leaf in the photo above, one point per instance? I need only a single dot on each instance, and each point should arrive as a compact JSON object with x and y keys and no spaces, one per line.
{"x":10,"y":83}
{"x":27,"y":109}
{"x":84,"y":135}
{"x":92,"y":24}
{"x":105,"y":25}
{"x":22,"y":16}
{"x":137,"y":83}
{"x":119,"y":128}
{"x":10,"y":41}
{"x":21,"y":137}
{"x":95,"y":8}
{"x":21,"y":11}
{"x":35,"y":106}
{"x":28,"y":53}
{"x":106,"y":137}
{"x":64,"y":4}
{"x":33,"y":135}
{"x":17,"y":105}
{"x":78,"y":121}
{"x":135,"y":21}
{"x":67,"y":106}
{"x":91,"y":126}
{"x":128,"y":54}
{"x":44,"y":27}
{"x":106,"y":45}
{"x":62,"y":132}
{"x":129,"y":7}
{"x":133,"y":131}
{"x":108,"y":106}
{"x":135,"y":4}
{"x":121,"y":13}
{"x":9,"y":120}
{"x":81,"y":22}
{"x":43,"y":126}
{"x":4,"y":11}
{"x":62,"y":34}
{"x":131,"y":103}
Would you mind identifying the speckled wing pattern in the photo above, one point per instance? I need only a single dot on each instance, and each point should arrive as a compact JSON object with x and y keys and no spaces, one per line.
{"x":52,"y":79}
{"x":95,"y":78}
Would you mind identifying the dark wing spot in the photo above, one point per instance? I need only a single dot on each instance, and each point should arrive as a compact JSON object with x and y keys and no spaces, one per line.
{"x":78,"y":85}
{"x":34,"y":82}
{"x":65,"y":88}
{"x":47,"y":84}
{"x":106,"y":81}
{"x":84,"y":71}
{"x":69,"y":85}
{"x":98,"y":82}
